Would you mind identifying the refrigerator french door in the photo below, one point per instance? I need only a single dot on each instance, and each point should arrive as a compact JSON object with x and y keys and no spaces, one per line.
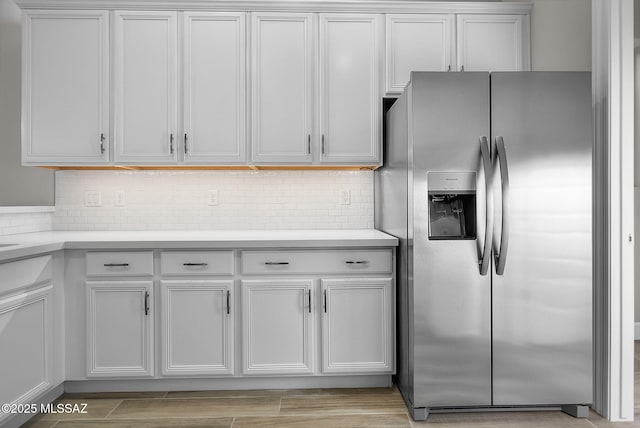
{"x":487,"y":185}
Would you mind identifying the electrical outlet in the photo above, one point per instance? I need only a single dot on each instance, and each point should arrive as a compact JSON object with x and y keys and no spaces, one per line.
{"x":92,"y":199}
{"x":119,"y":199}
{"x":345,"y":197}
{"x":213,"y":197}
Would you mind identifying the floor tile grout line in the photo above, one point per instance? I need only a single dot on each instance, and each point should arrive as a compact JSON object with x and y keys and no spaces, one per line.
{"x":114,"y":408}
{"x":140,"y":418}
{"x":592,"y":424}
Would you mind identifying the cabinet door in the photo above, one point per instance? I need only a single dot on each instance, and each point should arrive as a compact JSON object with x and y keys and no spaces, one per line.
{"x":65,"y":87}
{"x":350,"y":104}
{"x":26,"y":341}
{"x":197,"y":327}
{"x":119,"y":328}
{"x":214,"y":87}
{"x":416,"y":43}
{"x":277,"y":326}
{"x":282,"y":87}
{"x":145,"y":79}
{"x":357,"y":325}
{"x":492,"y":43}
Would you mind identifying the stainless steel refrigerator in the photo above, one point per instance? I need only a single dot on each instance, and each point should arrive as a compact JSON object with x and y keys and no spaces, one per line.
{"x":487,"y":185}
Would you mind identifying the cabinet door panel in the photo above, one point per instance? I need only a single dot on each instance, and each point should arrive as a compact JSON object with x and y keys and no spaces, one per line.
{"x":214,"y":87}
{"x":491,"y":43}
{"x":282,"y":54}
{"x":25,"y":340}
{"x":197,"y":327}
{"x":349,"y":79}
{"x":277,"y":326}
{"x":65,"y":87}
{"x":145,"y":87}
{"x":416,"y":43}
{"x":119,"y":333}
{"x":357,"y":325}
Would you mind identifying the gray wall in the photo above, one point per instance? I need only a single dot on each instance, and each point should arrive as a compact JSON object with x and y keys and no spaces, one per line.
{"x":19,"y":186}
{"x":560,"y":35}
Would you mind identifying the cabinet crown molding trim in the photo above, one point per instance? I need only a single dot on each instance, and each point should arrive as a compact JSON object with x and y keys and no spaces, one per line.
{"x":371,"y":6}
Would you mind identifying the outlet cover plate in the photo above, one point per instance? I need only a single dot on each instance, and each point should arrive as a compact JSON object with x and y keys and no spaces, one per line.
{"x":92,"y":198}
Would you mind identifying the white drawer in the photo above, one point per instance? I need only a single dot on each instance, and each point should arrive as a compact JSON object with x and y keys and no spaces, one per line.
{"x":196,"y":263}
{"x":22,"y":273}
{"x":119,"y":263}
{"x":317,"y":261}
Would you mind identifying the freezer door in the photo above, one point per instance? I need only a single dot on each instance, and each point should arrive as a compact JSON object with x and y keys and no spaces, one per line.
{"x":542,"y":302}
{"x":449,"y":115}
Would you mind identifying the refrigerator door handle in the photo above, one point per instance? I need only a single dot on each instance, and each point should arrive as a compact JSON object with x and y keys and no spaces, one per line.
{"x":484,"y":250}
{"x":501,"y":252}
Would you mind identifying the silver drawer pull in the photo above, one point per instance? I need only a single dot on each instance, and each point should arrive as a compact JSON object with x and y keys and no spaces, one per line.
{"x":276,"y":263}
{"x":116,"y":264}
{"x":195,"y":264}
{"x":357,"y":262}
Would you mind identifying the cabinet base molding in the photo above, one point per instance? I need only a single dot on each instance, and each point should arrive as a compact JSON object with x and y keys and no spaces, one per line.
{"x":44,"y":398}
{"x":219,"y":384}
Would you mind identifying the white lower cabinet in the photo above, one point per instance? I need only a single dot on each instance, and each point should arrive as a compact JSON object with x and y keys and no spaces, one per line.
{"x":277,"y":326}
{"x":357,"y":325}
{"x":31,"y":337}
{"x":25,"y":340}
{"x":119,"y":328}
{"x":299,"y":312}
{"x":197,"y":327}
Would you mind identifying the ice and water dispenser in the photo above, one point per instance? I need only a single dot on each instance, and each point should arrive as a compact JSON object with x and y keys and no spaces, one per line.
{"x":452,"y":205}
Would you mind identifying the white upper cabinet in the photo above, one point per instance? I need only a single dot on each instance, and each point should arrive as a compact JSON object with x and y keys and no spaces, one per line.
{"x":65,"y":99}
{"x":331,"y":116}
{"x":145,"y":80}
{"x":420,"y":42}
{"x":214,"y":80}
{"x":350,"y":104}
{"x":282,"y":87}
{"x":492,"y":43}
{"x":290,"y":84}
{"x":454,"y":42}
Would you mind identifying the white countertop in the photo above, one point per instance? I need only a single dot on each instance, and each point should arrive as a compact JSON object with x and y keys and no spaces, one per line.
{"x":28,"y":244}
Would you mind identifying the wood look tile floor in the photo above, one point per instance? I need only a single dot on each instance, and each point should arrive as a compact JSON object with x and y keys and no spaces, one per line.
{"x":308,"y":408}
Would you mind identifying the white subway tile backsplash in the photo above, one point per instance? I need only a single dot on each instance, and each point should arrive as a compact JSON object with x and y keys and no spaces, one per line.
{"x":12,"y":223}
{"x":172,"y":200}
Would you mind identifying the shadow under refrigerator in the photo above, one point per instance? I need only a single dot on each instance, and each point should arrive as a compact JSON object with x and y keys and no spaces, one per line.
{"x":487,"y":185}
